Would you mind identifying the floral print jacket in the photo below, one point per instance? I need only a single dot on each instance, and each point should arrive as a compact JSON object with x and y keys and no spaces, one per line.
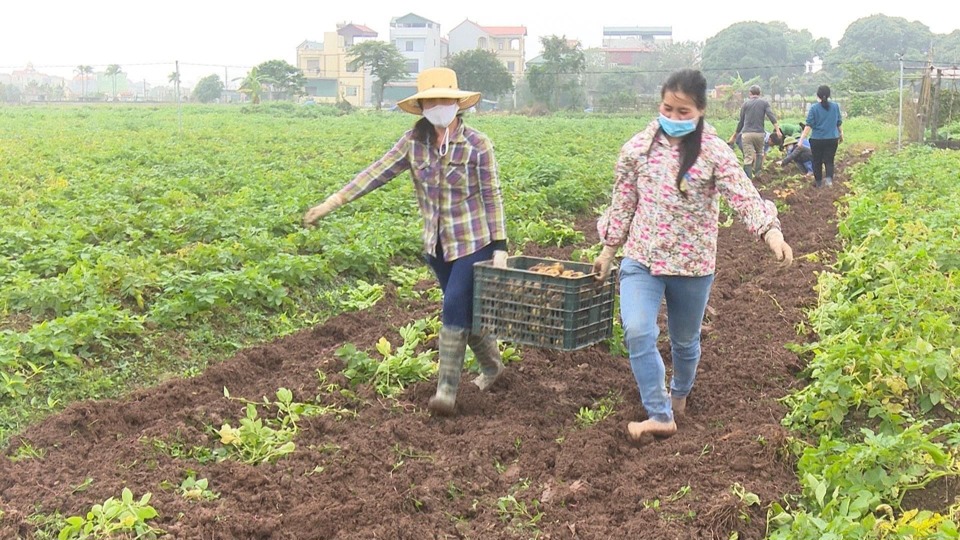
{"x":656,"y":225}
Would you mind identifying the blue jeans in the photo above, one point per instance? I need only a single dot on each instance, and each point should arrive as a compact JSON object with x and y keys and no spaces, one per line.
{"x":456,"y":282}
{"x":640,"y":297}
{"x":804,"y":166}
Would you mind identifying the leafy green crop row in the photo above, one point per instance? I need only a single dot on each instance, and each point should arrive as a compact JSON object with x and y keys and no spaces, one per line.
{"x":885,"y":387}
{"x":121,"y":235}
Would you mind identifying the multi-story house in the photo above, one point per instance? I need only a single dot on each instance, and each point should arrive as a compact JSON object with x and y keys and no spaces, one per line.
{"x":418,"y":40}
{"x":325,"y":65}
{"x":507,"y":42}
{"x":627,"y":45}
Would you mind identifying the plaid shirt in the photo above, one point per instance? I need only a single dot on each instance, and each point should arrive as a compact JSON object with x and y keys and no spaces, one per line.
{"x":459,"y":193}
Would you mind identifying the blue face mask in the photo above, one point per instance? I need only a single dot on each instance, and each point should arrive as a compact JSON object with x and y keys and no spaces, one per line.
{"x":678,"y":128}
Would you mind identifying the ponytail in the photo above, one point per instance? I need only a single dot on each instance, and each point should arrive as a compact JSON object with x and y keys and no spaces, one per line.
{"x":424,"y":133}
{"x":824,"y":94}
{"x":689,"y":152}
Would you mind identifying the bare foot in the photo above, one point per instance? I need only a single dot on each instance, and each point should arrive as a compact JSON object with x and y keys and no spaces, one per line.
{"x":638,"y":430}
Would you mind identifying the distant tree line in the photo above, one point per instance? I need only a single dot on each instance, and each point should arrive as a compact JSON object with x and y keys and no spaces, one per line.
{"x":863,"y":66}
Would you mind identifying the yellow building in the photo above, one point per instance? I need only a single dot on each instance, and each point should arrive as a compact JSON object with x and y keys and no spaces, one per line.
{"x":325,"y":66}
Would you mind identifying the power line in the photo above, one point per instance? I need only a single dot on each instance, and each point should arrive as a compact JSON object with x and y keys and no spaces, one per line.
{"x":214,"y":65}
{"x":72,"y":66}
{"x":635,"y":69}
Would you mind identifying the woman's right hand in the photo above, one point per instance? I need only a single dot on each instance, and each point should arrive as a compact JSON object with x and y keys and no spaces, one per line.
{"x":780,"y":248}
{"x":332,"y":203}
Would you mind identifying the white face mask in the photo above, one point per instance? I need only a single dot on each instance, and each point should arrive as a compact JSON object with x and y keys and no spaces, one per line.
{"x":441,"y":115}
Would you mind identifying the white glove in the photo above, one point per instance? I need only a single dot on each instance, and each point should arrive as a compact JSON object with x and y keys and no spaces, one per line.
{"x":499,"y":259}
{"x":332,"y":203}
{"x":601,"y":266}
{"x":783,"y":251}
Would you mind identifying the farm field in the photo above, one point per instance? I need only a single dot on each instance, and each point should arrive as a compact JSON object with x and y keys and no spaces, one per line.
{"x":135,"y":257}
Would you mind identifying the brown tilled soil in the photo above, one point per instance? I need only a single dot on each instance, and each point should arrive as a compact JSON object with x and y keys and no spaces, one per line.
{"x":395,"y":472}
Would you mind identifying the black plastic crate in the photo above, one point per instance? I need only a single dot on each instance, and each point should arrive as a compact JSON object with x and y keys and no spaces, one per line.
{"x":537,"y":309}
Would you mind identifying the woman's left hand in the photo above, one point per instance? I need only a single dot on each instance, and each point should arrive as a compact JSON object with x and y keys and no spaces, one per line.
{"x":783,"y":251}
{"x":499,"y":259}
{"x":332,"y":203}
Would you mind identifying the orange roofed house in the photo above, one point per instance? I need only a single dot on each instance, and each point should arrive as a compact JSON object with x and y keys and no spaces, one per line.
{"x":507,"y":42}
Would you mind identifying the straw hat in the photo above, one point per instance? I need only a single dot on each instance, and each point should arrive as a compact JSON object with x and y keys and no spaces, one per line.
{"x":441,"y":83}
{"x":789,"y":140}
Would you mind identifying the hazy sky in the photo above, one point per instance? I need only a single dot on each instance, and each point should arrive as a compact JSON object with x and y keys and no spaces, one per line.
{"x":58,"y":35}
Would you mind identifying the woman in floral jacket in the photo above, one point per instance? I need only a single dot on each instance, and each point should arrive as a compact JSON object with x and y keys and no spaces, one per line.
{"x":664,"y":213}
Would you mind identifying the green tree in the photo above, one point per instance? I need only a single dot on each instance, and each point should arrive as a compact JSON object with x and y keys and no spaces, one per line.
{"x":208,"y":89}
{"x":481,"y":71}
{"x":620,"y":87}
{"x":252,"y":85}
{"x":676,"y":56}
{"x":282,"y":79}
{"x":731,"y":95}
{"x":11,"y":93}
{"x":879,"y":38}
{"x":866,"y":77}
{"x":764,"y":50}
{"x":83,"y":71}
{"x":174,"y":79}
{"x":50,"y":91}
{"x":558,"y":80}
{"x":382,"y":59}
{"x":947,"y":49}
{"x":112,"y":71}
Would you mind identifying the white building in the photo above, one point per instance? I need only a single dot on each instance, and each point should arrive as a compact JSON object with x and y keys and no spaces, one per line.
{"x":418,"y":39}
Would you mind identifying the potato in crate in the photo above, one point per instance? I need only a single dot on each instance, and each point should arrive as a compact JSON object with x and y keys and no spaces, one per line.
{"x":543,"y":302}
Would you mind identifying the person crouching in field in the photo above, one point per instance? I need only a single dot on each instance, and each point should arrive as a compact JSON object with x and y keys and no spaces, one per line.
{"x":799,"y":154}
{"x":665,"y":212}
{"x":455,"y":178}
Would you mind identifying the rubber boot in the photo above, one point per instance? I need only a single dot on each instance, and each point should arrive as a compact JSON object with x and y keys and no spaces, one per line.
{"x":488,"y":356}
{"x":452,"y":346}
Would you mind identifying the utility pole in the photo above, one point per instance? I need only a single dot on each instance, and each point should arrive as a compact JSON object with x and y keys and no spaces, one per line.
{"x":935,"y":115}
{"x":900,"y":109}
{"x":176,"y":64}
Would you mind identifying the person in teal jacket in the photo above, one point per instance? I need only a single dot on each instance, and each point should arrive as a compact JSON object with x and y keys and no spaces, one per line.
{"x":825,"y":131}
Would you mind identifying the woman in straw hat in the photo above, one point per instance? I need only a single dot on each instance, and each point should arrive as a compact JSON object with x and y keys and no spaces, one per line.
{"x":455,"y":177}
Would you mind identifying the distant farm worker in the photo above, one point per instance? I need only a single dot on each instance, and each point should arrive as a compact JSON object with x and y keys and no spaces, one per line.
{"x":455,"y":178}
{"x":825,"y":131}
{"x":790,"y":130}
{"x":750,"y":126}
{"x":665,"y":214}
{"x":769,"y":139}
{"x":799,"y":154}
{"x":787,"y":130}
